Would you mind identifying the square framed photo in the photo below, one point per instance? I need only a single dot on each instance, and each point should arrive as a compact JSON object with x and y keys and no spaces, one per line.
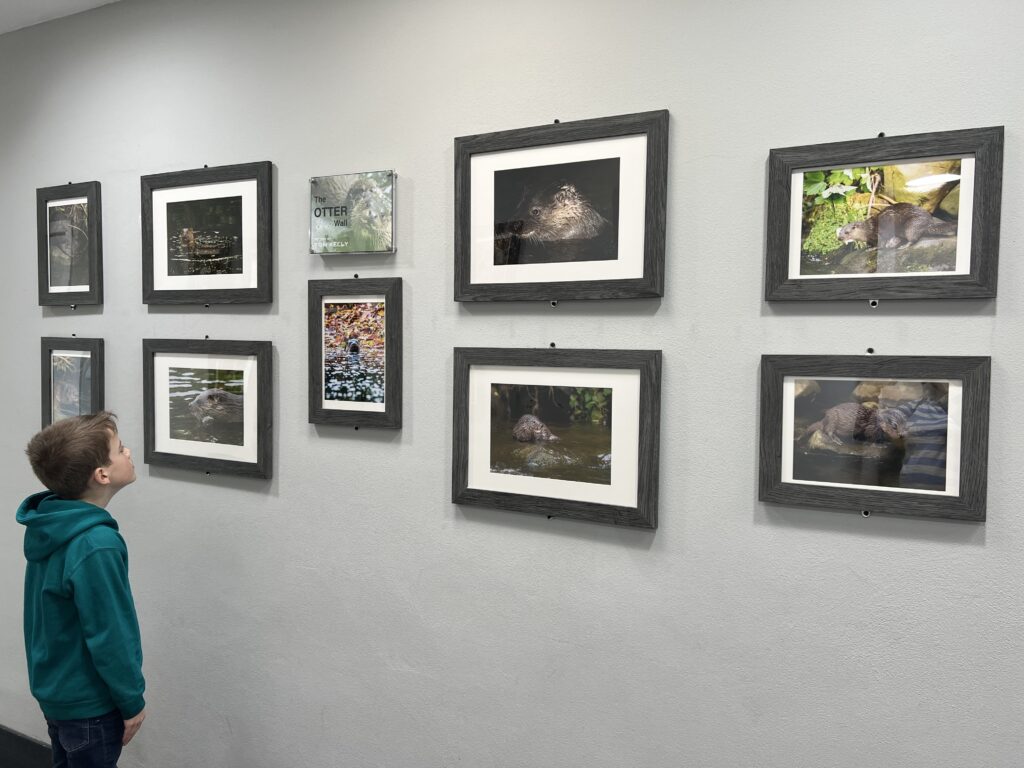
{"x":207,"y":236}
{"x":70,"y":244}
{"x":208,"y":405}
{"x":355,"y":352}
{"x":72,"y":378}
{"x":559,"y":432}
{"x":352,"y":213}
{"x":902,"y":217}
{"x":899,"y":435}
{"x":564,"y":211}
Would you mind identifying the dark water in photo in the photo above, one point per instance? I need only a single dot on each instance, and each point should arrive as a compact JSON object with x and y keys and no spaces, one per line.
{"x":582,"y":453}
{"x":354,"y":377}
{"x":68,"y":244}
{"x":222,"y":424}
{"x":204,"y":237}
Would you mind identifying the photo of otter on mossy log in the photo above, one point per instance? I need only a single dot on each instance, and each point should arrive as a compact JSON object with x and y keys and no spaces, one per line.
{"x":557,"y":432}
{"x":888,"y":434}
{"x":566,"y":212}
{"x":884,"y":219}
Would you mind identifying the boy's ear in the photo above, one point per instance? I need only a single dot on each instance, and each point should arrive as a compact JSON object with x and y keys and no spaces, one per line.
{"x":100,"y":476}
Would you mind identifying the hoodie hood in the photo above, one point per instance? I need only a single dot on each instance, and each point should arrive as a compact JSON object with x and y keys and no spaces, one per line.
{"x":51,"y":522}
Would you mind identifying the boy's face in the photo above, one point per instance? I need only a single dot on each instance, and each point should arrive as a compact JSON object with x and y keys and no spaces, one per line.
{"x":121,"y":470}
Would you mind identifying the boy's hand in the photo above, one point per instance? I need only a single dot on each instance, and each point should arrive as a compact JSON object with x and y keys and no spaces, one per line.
{"x":131,"y":727}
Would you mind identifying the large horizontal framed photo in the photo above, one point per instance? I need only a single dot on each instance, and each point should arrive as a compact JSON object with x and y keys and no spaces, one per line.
{"x":899,"y":435}
{"x":563,"y":211}
{"x":904,"y":217}
{"x":71,"y":376}
{"x":70,"y":244}
{"x":207,"y":235}
{"x":565,"y":433}
{"x":208,"y":405}
{"x":352,"y":213}
{"x":355,"y":352}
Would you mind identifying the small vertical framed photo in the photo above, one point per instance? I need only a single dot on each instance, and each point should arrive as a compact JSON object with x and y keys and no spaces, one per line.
{"x":901,"y":217}
{"x":355,"y":352}
{"x":565,"y":211}
{"x":207,"y":235}
{"x":72,"y":378}
{"x":898,"y":435}
{"x":70,"y":244}
{"x":559,"y":432}
{"x":352,"y":213}
{"x":208,"y":405}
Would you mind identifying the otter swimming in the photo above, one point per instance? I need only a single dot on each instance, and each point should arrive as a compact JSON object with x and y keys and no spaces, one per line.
{"x":898,"y":226}
{"x":531,"y":429}
{"x":215,"y":407}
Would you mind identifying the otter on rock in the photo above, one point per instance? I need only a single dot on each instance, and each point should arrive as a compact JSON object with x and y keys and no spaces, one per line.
{"x":215,"y":406}
{"x":531,"y":429}
{"x":898,"y":226}
{"x":853,"y":421}
{"x":560,"y":212}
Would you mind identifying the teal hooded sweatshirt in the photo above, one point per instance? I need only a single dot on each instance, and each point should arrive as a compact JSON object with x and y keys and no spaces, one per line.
{"x":81,"y":631}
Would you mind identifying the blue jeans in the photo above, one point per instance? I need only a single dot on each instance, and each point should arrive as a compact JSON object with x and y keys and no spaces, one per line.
{"x":94,"y":742}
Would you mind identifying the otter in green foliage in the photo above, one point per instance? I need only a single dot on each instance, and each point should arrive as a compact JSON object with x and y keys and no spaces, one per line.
{"x":530,"y":429}
{"x":898,"y":226}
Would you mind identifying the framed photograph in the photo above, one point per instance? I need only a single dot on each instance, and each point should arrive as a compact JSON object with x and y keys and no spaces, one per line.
{"x":72,"y":378}
{"x":559,"y":432}
{"x":207,"y":236}
{"x":352,"y":213}
{"x":355,"y":352}
{"x":70,"y":244}
{"x":208,"y":405}
{"x":903,"y":217}
{"x":900,"y":435}
{"x":563,"y":211}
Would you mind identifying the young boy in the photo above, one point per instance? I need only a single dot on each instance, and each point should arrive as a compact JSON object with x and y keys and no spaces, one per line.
{"x":81,"y":632}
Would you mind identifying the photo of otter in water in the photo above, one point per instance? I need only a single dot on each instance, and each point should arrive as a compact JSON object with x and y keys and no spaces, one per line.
{"x":887,"y":434}
{"x":567,"y":212}
{"x":204,"y":237}
{"x":207,"y":405}
{"x":557,"y":432}
{"x":893,"y":219}
{"x":354,"y":353}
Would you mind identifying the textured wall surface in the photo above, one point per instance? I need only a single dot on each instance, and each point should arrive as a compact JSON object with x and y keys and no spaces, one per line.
{"x":345,"y":612}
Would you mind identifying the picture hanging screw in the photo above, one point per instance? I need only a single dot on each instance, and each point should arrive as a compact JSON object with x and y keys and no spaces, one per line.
{"x":866,"y":512}
{"x":552,"y":345}
{"x":206,"y":305}
{"x":356,"y":276}
{"x":554,"y":303}
{"x":74,"y":307}
{"x":73,"y":335}
{"x":557,"y":121}
{"x":871,"y":350}
{"x":873,"y":303}
{"x":356,"y":429}
{"x":207,"y":336}
{"x":881,"y":135}
{"x":206,"y":166}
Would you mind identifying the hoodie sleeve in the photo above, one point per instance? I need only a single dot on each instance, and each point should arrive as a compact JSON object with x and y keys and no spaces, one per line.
{"x":106,"y":610}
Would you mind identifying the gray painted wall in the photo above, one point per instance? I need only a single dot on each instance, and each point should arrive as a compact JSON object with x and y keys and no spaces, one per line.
{"x":345,"y":613}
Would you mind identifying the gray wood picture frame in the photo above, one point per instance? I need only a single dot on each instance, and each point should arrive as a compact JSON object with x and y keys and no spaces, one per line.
{"x":390,"y":288}
{"x":984,"y":144}
{"x":973,"y":373}
{"x":94,"y":347}
{"x":262,"y":173}
{"x":262,"y":352}
{"x":654,"y":125}
{"x":648,"y":362}
{"x":90,"y":190}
